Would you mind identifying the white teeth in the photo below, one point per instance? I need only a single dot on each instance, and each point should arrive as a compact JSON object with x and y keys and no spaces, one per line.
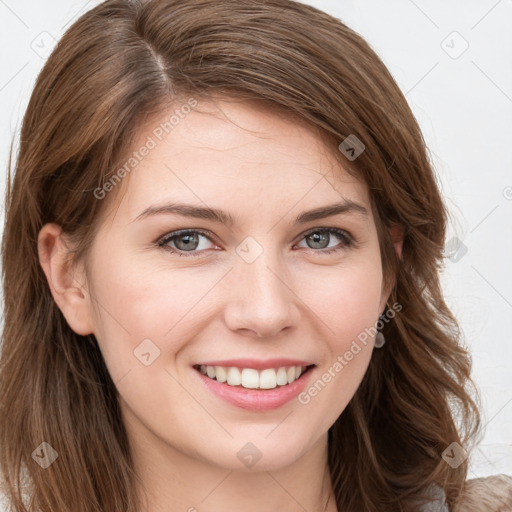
{"x":253,"y":379}
{"x":250,"y":378}
{"x":234,"y":378}
{"x":268,"y":379}
{"x":220,"y":374}
{"x":281,"y":377}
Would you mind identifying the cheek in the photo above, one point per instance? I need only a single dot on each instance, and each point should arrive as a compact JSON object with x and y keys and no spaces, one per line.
{"x":136,"y":302}
{"x":349,"y":306}
{"x":346,"y":299}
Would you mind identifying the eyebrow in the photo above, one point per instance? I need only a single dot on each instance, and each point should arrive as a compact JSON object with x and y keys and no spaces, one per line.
{"x":216,"y":215}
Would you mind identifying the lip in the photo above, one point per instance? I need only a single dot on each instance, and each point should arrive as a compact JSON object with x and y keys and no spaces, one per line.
{"x":256,"y":399}
{"x":257,"y":364}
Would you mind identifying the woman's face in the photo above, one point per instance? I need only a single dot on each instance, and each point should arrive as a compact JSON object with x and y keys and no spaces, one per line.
{"x":284,"y":283}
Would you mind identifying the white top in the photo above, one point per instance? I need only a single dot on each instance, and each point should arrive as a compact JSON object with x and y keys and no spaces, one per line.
{"x":435,"y":506}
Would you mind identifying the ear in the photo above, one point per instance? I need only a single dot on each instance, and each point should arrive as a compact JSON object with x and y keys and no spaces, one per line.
{"x":397,"y":235}
{"x":67,"y":283}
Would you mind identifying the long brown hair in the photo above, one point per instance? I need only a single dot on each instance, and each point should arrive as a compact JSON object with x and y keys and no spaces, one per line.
{"x":124,"y":61}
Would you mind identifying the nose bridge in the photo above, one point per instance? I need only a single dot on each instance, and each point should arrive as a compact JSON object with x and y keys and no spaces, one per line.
{"x":262,"y":300}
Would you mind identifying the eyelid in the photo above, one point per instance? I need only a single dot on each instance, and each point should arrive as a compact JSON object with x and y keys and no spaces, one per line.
{"x":330,"y":229}
{"x":174,"y":234}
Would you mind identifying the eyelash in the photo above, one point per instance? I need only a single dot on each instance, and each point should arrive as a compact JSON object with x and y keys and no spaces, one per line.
{"x":348,"y":240}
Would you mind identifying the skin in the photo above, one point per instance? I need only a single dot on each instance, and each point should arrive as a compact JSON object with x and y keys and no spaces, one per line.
{"x":294,"y":300}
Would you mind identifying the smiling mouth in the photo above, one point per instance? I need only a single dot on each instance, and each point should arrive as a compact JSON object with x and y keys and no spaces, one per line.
{"x":250,"y":378}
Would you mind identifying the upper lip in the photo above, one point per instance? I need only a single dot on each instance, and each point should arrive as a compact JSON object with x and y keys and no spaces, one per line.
{"x":257,"y":364}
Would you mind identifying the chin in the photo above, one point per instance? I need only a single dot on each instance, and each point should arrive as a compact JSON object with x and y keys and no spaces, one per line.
{"x":264,"y":452}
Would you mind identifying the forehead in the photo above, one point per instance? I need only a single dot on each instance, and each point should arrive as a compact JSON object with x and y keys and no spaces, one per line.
{"x":247,"y":154}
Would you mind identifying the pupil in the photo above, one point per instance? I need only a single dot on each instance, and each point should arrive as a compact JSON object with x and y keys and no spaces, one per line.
{"x":187,"y":240}
{"x":317,"y":238}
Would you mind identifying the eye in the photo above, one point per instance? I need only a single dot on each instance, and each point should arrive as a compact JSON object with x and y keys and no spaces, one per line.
{"x":189,"y":241}
{"x":185,"y":241}
{"x":319,"y":238}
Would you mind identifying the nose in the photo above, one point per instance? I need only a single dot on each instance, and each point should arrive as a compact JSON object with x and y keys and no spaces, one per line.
{"x":262,"y":303}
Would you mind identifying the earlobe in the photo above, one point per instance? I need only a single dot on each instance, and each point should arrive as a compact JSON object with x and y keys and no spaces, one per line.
{"x":397,"y":235}
{"x":66,"y":282}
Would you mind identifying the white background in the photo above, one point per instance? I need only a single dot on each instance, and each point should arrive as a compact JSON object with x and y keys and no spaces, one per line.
{"x":462,"y":98}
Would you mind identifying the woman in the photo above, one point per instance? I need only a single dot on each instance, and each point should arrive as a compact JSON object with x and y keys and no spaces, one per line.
{"x":221,"y":258}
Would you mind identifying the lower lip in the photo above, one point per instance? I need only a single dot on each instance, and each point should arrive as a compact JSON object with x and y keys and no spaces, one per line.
{"x":256,"y":399}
